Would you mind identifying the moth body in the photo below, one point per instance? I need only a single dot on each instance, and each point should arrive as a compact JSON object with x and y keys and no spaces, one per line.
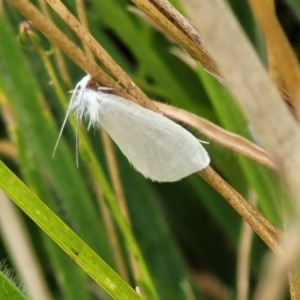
{"x":156,"y":146}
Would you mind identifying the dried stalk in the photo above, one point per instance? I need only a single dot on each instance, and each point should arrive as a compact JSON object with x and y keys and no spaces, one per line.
{"x":180,"y":29}
{"x":244,"y":256}
{"x":251,"y":86}
{"x":59,"y":58}
{"x":269,"y":233}
{"x":101,"y":54}
{"x":219,"y":135}
{"x":283,"y":63}
{"x":70,"y":49}
{"x":90,"y":41}
{"x":45,"y":25}
{"x":253,"y":89}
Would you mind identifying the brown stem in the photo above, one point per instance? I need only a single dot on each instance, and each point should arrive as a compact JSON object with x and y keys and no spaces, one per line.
{"x":282,"y":60}
{"x":180,"y":29}
{"x":219,"y":135}
{"x":100,"y":53}
{"x":118,"y":189}
{"x":90,"y":41}
{"x":269,"y":233}
{"x":59,"y":39}
{"x":250,"y":85}
{"x":69,"y":48}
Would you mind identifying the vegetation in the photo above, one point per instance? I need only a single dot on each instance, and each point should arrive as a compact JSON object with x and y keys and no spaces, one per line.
{"x":121,"y":236}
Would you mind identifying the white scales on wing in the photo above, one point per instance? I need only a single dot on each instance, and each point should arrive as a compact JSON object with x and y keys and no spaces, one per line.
{"x":156,"y":146}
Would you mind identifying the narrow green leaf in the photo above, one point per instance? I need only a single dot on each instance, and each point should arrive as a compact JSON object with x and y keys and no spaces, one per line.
{"x":8,"y":289}
{"x":64,"y":237}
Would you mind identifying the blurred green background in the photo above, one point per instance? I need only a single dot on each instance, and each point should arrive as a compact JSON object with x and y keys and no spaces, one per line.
{"x":186,"y":231}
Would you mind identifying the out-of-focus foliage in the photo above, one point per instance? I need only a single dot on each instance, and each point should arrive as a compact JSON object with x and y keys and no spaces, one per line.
{"x":183,"y":228}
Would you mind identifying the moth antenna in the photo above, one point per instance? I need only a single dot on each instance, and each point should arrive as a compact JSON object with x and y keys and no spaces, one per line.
{"x":80,"y":85}
{"x":63,"y":126}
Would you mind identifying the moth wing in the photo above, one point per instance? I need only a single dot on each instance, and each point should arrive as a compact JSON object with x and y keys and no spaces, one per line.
{"x":156,"y":146}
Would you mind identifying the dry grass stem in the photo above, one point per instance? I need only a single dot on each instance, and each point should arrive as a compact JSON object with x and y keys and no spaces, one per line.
{"x":101,"y":54}
{"x":283,"y":63}
{"x":243,"y":259}
{"x":111,"y":232}
{"x":258,"y":97}
{"x":139,"y":13}
{"x":85,"y":36}
{"x":118,"y":190}
{"x":70,"y":49}
{"x":60,"y":40}
{"x":59,"y":58}
{"x":294,"y":280}
{"x":25,"y":261}
{"x":221,"y":136}
{"x":263,"y":227}
{"x":180,"y":29}
{"x":273,"y":281}
{"x":251,"y":86}
{"x":270,"y":234}
{"x":114,"y":174}
{"x":83,"y":20}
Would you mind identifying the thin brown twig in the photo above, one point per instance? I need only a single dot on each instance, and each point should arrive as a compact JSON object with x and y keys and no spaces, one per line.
{"x":118,"y":189}
{"x":70,"y":49}
{"x":59,"y":58}
{"x":273,"y":277}
{"x":111,"y":232}
{"x":269,"y":233}
{"x":243,"y":257}
{"x":283,"y":63}
{"x":59,"y":39}
{"x":183,"y":32}
{"x":114,"y":174}
{"x":180,"y":29}
{"x":219,"y":135}
{"x":247,"y":80}
{"x":83,"y":20}
{"x":293,"y":277}
{"x":101,"y":54}
{"x":83,"y":33}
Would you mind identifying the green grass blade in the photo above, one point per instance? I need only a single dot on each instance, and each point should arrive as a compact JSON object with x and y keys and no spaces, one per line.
{"x":64,"y":236}
{"x":8,"y":289}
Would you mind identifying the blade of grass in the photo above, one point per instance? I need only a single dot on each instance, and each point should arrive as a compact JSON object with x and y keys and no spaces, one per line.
{"x":64,"y":237}
{"x":8,"y":289}
{"x":92,"y":163}
{"x":37,"y":129}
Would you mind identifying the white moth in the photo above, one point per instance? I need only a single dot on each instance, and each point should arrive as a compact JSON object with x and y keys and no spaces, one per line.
{"x":157,"y":147}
